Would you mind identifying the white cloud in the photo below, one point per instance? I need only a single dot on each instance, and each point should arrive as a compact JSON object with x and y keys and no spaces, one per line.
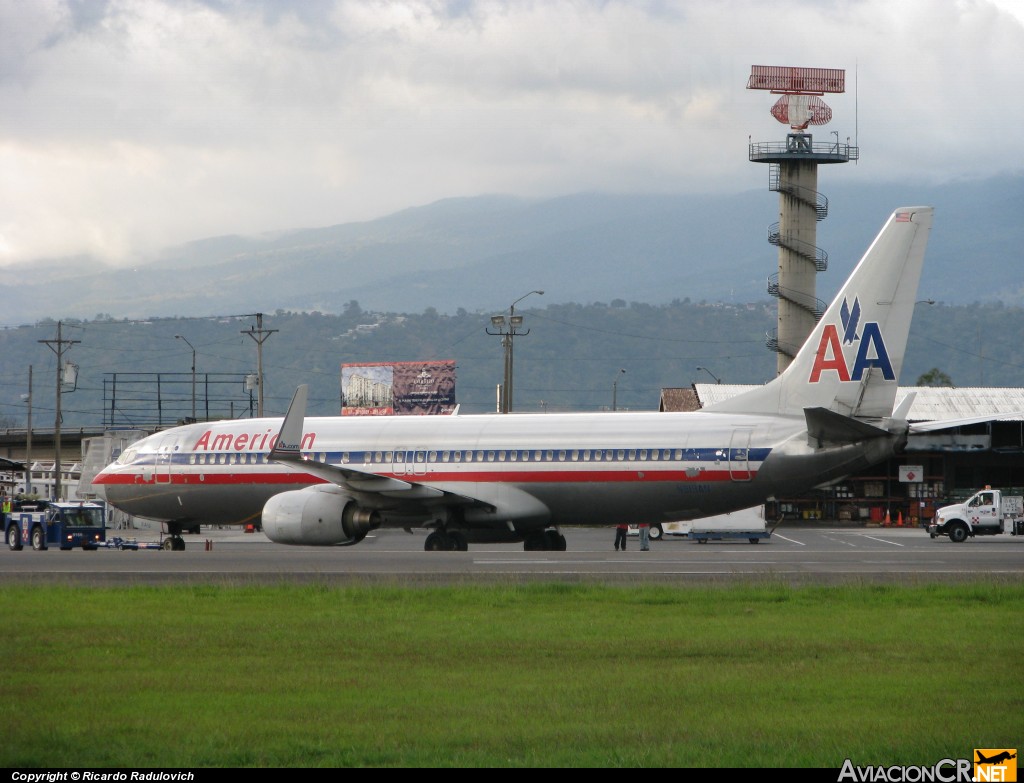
{"x":133,"y":124}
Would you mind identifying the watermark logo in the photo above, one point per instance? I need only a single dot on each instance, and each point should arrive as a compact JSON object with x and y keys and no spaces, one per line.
{"x":989,"y":765}
{"x":998,"y":765}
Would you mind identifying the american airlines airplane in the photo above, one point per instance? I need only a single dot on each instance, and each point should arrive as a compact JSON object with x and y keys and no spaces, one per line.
{"x":521,"y":477}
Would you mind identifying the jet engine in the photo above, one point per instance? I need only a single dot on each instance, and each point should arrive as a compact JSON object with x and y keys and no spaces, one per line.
{"x":322,"y":515}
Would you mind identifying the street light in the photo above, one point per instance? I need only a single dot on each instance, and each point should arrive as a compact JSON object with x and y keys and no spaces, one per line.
{"x":508,"y":331}
{"x":615,"y":385}
{"x":705,"y":369}
{"x":179,"y":337}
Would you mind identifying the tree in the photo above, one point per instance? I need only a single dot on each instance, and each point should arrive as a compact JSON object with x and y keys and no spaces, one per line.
{"x":934,"y":377}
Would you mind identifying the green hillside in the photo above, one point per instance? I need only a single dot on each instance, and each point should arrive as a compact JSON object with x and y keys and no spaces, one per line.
{"x":569,"y":360}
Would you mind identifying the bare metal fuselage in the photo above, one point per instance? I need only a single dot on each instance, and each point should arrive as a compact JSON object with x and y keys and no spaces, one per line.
{"x":528,"y":470}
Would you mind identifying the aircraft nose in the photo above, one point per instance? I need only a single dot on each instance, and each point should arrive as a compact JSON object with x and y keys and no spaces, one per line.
{"x":99,"y":482}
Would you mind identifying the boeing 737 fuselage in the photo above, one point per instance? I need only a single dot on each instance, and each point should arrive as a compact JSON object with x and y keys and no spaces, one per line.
{"x":330,"y":481}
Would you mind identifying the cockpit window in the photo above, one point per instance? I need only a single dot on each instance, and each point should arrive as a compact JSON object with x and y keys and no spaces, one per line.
{"x":127,"y":457}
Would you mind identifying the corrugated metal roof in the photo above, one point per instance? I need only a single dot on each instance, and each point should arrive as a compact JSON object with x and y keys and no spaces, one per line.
{"x":936,"y":403}
{"x":931,"y":403}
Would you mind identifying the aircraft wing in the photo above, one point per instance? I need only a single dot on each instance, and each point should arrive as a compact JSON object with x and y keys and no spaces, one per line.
{"x":946,"y":424}
{"x":286,"y":452}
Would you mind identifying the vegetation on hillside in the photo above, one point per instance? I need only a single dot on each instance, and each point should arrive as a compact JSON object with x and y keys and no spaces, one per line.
{"x":569,"y":360}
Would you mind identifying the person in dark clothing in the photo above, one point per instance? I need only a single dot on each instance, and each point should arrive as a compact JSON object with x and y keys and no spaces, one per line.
{"x":620,"y":536}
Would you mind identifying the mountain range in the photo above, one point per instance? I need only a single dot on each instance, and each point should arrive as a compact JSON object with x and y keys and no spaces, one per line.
{"x":482,"y":253}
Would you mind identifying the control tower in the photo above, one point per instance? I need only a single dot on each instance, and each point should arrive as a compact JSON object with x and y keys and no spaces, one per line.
{"x":793,"y":173}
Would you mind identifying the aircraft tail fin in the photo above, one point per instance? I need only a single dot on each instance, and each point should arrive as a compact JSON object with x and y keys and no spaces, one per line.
{"x":851,"y":361}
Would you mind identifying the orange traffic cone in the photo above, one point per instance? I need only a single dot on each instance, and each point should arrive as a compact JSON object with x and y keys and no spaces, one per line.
{"x":899,"y":519}
{"x":888,"y":521}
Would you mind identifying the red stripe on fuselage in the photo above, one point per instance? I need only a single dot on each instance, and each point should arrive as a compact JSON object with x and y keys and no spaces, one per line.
{"x":435,"y":477}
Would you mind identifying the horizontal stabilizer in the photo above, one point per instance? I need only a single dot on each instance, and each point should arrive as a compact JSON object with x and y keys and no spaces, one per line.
{"x":825,"y":426}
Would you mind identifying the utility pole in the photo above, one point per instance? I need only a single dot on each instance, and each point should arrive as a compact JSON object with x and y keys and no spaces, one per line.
{"x":28,"y":437}
{"x":180,"y":337}
{"x":57,"y":346}
{"x":260,"y":335}
{"x":508,"y":335}
{"x":615,"y":389}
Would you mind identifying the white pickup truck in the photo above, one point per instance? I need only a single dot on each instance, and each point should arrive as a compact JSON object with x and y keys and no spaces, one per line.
{"x":986,"y":513}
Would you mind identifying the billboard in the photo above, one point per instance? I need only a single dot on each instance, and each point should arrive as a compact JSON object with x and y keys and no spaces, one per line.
{"x":398,"y":388}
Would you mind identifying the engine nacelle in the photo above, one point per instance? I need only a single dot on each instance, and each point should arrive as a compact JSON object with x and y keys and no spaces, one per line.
{"x":322,"y":515}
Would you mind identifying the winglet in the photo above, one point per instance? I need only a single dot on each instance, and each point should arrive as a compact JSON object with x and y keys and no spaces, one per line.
{"x":902,"y":411}
{"x":289,"y":439}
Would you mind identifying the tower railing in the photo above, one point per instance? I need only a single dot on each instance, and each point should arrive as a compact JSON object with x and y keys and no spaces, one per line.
{"x":812,"y":253}
{"x":808,"y":196}
{"x":771,"y":341}
{"x":809,"y":303}
{"x":823,"y":152}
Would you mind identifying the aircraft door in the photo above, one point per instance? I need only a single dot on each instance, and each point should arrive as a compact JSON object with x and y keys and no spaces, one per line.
{"x":162,"y":472}
{"x":409,"y":462}
{"x":398,"y":463}
{"x":419,"y":462}
{"x":739,"y":454}
{"x":165,"y":460}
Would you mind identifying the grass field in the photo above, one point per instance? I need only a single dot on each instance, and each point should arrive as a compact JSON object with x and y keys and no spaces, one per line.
{"x":516,"y":676}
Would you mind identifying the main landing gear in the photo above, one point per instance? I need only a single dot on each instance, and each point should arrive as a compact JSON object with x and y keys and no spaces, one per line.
{"x":456,"y":541}
{"x":544,"y":541}
{"x":173,"y":544}
{"x":444,"y":541}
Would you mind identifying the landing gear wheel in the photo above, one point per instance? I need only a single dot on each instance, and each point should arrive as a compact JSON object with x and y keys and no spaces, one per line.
{"x":38,"y":539}
{"x":438,"y":541}
{"x":554,"y":541}
{"x":958,"y":533}
{"x":14,"y":538}
{"x":173,"y":544}
{"x":458,"y":541}
{"x":535,"y":541}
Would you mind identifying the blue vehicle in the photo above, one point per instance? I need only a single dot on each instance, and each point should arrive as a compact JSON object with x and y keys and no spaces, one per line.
{"x":67,"y":525}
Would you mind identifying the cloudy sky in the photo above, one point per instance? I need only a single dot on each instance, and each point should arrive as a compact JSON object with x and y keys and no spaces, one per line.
{"x":130,"y":125}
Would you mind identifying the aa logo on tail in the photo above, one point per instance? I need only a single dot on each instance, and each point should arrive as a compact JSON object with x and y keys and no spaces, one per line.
{"x":871,"y":351}
{"x":995,"y":764}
